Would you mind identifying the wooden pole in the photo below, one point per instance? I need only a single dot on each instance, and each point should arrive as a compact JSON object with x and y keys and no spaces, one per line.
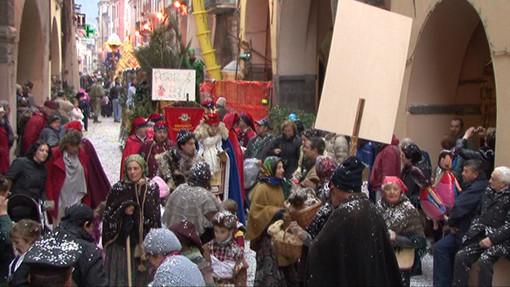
{"x":357,"y":124}
{"x":128,"y":251}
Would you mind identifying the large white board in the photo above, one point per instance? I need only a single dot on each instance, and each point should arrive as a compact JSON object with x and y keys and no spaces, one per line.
{"x":367,"y":60}
{"x":173,"y":85}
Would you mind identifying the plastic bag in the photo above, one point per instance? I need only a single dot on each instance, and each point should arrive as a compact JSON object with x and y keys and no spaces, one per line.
{"x":251,"y":172}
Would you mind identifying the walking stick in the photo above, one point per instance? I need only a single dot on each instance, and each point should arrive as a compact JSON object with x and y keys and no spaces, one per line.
{"x":128,"y":251}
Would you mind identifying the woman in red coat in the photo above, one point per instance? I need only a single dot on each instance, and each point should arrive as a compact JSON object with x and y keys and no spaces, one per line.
{"x":137,"y":136}
{"x":67,"y":175}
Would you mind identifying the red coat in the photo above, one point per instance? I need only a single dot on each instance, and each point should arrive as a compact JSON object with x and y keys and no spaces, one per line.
{"x":387,"y":163}
{"x":33,"y":130}
{"x":4,"y":151}
{"x":133,"y":144}
{"x":57,"y":175}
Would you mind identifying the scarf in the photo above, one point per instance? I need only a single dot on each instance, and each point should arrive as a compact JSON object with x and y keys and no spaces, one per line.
{"x":74,"y":187}
{"x":136,"y":158}
{"x":268,"y":171}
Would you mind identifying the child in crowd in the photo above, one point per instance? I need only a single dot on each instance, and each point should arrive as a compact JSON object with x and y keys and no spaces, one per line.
{"x":85,"y":108}
{"x":238,"y":232}
{"x":23,"y":235}
{"x":191,"y":247}
{"x":225,"y":256}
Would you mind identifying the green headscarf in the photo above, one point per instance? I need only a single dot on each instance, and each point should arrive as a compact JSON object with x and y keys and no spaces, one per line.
{"x":139,"y":159}
{"x":268,"y":171}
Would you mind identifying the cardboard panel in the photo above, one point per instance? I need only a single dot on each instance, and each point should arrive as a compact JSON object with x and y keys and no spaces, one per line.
{"x":367,"y":60}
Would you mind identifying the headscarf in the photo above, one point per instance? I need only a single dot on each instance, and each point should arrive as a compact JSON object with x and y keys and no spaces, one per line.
{"x":139,"y":159}
{"x":324,"y":167}
{"x":268,"y":170}
{"x":200,"y":175}
{"x":396,"y":180}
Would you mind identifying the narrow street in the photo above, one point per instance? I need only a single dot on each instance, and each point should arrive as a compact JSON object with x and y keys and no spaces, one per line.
{"x":105,"y":136}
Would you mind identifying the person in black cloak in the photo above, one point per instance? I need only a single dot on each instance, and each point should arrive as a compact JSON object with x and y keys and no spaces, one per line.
{"x":353,"y":248}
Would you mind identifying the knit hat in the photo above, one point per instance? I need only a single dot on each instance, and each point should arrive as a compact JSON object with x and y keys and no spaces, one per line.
{"x":164,"y":191}
{"x":160,"y":126}
{"x":393,"y":179}
{"x":178,"y":271}
{"x":187,"y":232}
{"x":225,"y":219}
{"x":248,"y":119}
{"x":348,"y":176}
{"x":200,"y":175}
{"x":221,"y":102}
{"x":74,"y":125}
{"x":183,"y":136}
{"x":51,"y":104}
{"x":78,"y":213}
{"x":155,"y":117}
{"x":161,"y":241}
{"x":137,"y":123}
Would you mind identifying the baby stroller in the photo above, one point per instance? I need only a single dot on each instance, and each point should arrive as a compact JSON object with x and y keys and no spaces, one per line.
{"x":21,"y":206}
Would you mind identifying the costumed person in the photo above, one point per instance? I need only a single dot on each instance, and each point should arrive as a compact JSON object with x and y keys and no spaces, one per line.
{"x":159,"y":245}
{"x":267,"y":198}
{"x":223,"y":253}
{"x":231,"y":121}
{"x":246,"y":130}
{"x":174,"y":165}
{"x":36,"y":124}
{"x":192,"y":248}
{"x":151,"y":122}
{"x":238,"y":232}
{"x":132,"y":209}
{"x":67,"y":175}
{"x":194,"y":202}
{"x":287,"y":146}
{"x":353,"y":248}
{"x":488,"y":237}
{"x":312,"y":148}
{"x":137,"y":136}
{"x":178,"y":271}
{"x":387,"y":163}
{"x":447,"y":186}
{"x":97,"y":181}
{"x":324,"y":168}
{"x":192,"y":62}
{"x":404,"y":222}
{"x":28,"y":175}
{"x":152,"y":150}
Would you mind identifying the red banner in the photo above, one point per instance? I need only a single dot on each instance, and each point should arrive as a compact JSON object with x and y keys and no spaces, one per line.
{"x":182,"y":118}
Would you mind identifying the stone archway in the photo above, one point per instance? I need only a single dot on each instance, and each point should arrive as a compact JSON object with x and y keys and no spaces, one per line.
{"x":452,"y":75}
{"x":55,"y":54}
{"x":30,"y":50}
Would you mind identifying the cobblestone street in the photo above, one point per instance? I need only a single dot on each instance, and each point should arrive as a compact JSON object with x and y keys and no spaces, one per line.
{"x":105,"y":136}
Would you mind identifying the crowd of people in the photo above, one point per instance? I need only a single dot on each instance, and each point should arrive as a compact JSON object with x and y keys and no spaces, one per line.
{"x":181,"y":211}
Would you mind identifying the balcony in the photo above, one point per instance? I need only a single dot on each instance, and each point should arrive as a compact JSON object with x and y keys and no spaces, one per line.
{"x":220,"y":6}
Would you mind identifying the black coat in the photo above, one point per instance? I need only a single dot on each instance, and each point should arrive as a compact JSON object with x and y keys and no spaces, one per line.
{"x":290,"y":150}
{"x":463,"y":211}
{"x":88,"y":270}
{"x":28,"y":177}
{"x":493,"y":219}
{"x":353,"y":248}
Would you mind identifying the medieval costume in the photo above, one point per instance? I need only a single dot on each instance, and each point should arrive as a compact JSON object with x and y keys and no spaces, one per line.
{"x":194,"y":202}
{"x":353,"y":248}
{"x":267,"y":198}
{"x":134,"y":142}
{"x":123,"y":234}
{"x":246,"y":134}
{"x":230,"y":120}
{"x":405,"y":221}
{"x":174,"y":165}
{"x":151,"y":151}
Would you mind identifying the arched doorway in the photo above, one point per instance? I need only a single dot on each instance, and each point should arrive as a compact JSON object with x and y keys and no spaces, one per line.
{"x":452,"y":75}
{"x":30,"y":50}
{"x":55,"y":50}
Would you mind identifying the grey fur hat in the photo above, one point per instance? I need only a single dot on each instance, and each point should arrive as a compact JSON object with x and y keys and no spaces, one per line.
{"x":178,"y":271}
{"x":161,"y":241}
